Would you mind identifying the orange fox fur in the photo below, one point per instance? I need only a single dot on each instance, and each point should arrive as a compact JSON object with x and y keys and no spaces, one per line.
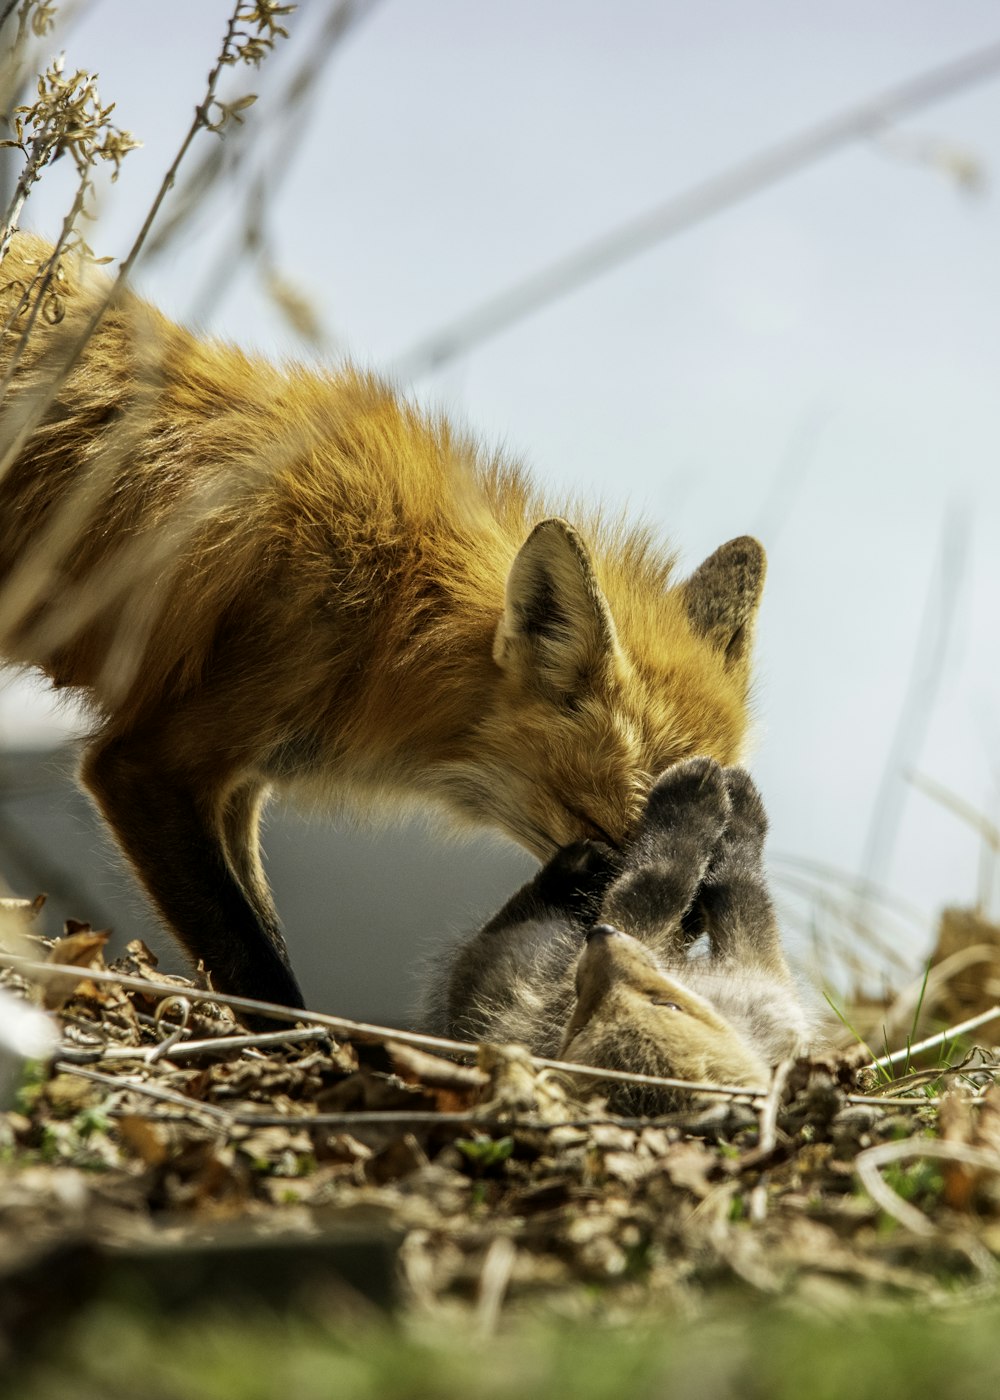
{"x":269,"y":577}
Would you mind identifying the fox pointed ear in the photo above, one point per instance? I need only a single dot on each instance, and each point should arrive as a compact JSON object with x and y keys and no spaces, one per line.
{"x":723,"y":594}
{"x":556,"y":629}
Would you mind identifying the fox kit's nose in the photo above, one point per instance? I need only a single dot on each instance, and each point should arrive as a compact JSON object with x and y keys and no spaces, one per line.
{"x":602,"y":931}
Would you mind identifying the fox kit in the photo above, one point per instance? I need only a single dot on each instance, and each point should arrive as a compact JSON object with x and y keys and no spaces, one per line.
{"x":271,"y":578}
{"x":595,"y":960}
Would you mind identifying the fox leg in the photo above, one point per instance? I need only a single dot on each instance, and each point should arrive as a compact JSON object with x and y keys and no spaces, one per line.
{"x":734,"y":900}
{"x":570,"y":886}
{"x":241,"y":832}
{"x":173,"y":833}
{"x":669,"y":853}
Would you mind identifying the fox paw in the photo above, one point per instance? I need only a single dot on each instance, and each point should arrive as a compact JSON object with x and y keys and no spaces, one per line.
{"x":745,"y":832}
{"x":686,"y":811}
{"x":665,"y":861}
{"x":578,"y":875}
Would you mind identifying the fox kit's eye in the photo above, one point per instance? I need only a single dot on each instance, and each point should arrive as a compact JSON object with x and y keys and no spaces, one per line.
{"x":661,"y":1001}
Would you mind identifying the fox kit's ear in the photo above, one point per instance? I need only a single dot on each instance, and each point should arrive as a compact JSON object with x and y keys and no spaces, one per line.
{"x":723,"y":594}
{"x":556,"y":630}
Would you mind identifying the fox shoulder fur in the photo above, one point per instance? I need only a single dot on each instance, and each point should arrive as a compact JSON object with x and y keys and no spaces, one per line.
{"x":268,"y":577}
{"x":594,"y":961}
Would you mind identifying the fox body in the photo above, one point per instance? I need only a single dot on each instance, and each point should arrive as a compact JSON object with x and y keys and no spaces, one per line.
{"x":594,"y":961}
{"x":266,"y":577}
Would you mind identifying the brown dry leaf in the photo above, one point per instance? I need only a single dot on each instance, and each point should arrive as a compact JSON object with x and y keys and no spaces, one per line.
{"x":66,"y":1094}
{"x":516,"y":1086}
{"x":370,"y":1090}
{"x":397,"y":1159}
{"x":627,"y":1167}
{"x":341,"y":1149}
{"x":456,"y":1087}
{"x":610,"y":1138}
{"x":147,"y":1140}
{"x":81,"y":947}
{"x":551,"y":1193}
{"x":207,"y":1174}
{"x":139,"y":960}
{"x":957,"y":1123}
{"x":273,"y":1144}
{"x":263,"y":1080}
{"x":689,"y":1165}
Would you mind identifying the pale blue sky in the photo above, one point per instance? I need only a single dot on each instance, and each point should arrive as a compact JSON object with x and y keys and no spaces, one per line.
{"x":841,"y":328}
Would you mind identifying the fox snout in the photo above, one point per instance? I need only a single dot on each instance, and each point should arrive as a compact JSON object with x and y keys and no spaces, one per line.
{"x":611,"y":948}
{"x":612,"y":966}
{"x":632,"y":1012}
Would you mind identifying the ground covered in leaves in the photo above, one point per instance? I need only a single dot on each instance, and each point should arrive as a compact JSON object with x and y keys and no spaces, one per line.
{"x":167,"y":1158}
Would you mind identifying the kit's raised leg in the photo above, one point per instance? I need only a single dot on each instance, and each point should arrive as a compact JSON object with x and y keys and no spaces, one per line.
{"x":734,"y":901}
{"x":669,"y":854}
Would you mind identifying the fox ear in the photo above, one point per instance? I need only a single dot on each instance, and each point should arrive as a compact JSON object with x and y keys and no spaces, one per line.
{"x":556,"y":630}
{"x":723,"y":594}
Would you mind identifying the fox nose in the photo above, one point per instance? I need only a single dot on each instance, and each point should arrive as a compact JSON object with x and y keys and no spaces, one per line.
{"x":602,"y":931}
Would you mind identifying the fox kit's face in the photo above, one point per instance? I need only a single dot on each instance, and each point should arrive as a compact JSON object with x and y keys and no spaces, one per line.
{"x":596,"y":695}
{"x":632,"y":1014}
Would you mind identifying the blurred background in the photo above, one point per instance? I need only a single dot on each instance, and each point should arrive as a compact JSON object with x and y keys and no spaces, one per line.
{"x":555,"y":222}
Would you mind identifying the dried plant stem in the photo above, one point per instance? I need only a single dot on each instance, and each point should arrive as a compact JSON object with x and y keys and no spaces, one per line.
{"x":180,"y":1049}
{"x":498,"y":1266}
{"x":40,"y":153}
{"x":291,"y":111}
{"x":153,"y":1091}
{"x":202,"y":120}
{"x":767,"y":1136}
{"x":868,"y":1162}
{"x":887,"y":1061}
{"x":41,"y":282}
{"x":360,"y":1030}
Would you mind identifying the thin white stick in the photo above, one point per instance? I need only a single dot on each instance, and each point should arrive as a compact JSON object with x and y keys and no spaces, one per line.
{"x":867,"y":1165}
{"x":359,"y":1029}
{"x":974,"y":1023}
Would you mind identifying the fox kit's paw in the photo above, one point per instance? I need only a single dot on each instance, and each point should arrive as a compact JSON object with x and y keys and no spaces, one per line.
{"x":742,"y":842}
{"x":686,"y":813}
{"x":666,"y":860}
{"x":577,"y":876}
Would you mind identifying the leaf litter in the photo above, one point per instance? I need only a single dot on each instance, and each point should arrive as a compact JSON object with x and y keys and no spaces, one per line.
{"x":166,"y":1144}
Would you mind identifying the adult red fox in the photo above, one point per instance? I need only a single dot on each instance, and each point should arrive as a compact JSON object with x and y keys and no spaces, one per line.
{"x":593,"y":960}
{"x":268,"y":577}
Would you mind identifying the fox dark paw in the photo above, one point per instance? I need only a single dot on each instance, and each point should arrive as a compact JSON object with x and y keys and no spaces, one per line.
{"x":666,"y":860}
{"x":577,"y":876}
{"x":686,"y":813}
{"x":742,"y":841}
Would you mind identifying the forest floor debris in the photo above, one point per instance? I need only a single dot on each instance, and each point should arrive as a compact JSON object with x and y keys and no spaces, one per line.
{"x":166,"y":1150}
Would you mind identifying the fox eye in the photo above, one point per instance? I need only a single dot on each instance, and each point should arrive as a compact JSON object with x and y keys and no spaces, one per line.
{"x":661,"y":1001}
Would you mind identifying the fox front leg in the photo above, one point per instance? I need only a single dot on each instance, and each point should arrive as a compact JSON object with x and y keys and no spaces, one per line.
{"x":173,"y":836}
{"x":667,"y":858}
